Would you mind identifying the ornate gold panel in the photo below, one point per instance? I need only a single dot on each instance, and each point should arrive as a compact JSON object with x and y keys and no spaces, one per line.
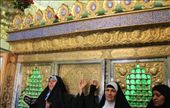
{"x":63,"y":12}
{"x":73,"y":73}
{"x":123,"y":53}
{"x":93,"y":7}
{"x":27,"y":69}
{"x":8,"y":81}
{"x":95,"y":40}
{"x":155,"y":69}
{"x":77,"y":9}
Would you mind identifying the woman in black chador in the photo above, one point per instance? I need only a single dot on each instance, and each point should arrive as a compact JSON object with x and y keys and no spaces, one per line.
{"x":55,"y":96}
{"x":160,"y":97}
{"x":55,"y":89}
{"x":113,"y":97}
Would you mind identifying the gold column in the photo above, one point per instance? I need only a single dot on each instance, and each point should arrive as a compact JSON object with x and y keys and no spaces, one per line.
{"x":8,"y":81}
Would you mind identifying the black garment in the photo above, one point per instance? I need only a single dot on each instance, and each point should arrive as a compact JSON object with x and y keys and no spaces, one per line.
{"x":91,"y":100}
{"x":121,"y":101}
{"x":165,"y":91}
{"x":29,"y":100}
{"x":59,"y":98}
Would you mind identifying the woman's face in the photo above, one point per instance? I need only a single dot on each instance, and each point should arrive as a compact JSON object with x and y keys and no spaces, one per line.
{"x":110,"y":94}
{"x":51,"y":84}
{"x":158,"y":98}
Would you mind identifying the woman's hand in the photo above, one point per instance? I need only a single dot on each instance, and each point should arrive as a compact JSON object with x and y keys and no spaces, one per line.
{"x":47,"y":104}
{"x":82,"y":85}
{"x":95,"y":83}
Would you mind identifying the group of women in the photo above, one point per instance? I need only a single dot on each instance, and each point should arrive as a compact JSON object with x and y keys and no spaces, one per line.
{"x":55,"y":95}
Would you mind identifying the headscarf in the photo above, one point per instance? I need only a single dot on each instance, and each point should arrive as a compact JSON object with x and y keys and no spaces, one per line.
{"x":165,"y":91}
{"x":113,"y":85}
{"x":56,"y":96}
{"x":107,"y":103}
{"x":53,"y":77}
{"x":121,"y":101}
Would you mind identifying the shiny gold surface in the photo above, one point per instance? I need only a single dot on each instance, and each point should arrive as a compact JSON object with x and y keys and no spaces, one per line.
{"x":110,"y":9}
{"x":77,"y":10}
{"x":166,"y":2}
{"x":84,"y":19}
{"x":38,"y":17}
{"x":122,"y":43}
{"x":92,"y":7}
{"x":27,"y":69}
{"x":128,"y":5}
{"x":73,"y":73}
{"x":28,"y":20}
{"x":17,"y":22}
{"x":93,"y":13}
{"x":63,"y":12}
{"x":94,"y":40}
{"x":123,"y":53}
{"x":8,"y":81}
{"x":155,"y":69}
{"x":49,"y":11}
{"x":147,"y":4}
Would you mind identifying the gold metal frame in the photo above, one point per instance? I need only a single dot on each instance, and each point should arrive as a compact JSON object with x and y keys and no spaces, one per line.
{"x":17,"y":22}
{"x":66,"y":9}
{"x":26,"y":24}
{"x":92,"y":13}
{"x":108,"y":9}
{"x":154,"y":67}
{"x":74,"y":13}
{"x":74,"y":71}
{"x":52,"y":12}
{"x":39,"y":15}
{"x":166,"y":2}
{"x":128,"y":7}
{"x":89,"y":18}
{"x":93,"y":40}
{"x":148,"y":4}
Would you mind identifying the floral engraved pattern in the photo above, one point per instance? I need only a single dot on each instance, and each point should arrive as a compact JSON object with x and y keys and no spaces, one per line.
{"x":95,"y":40}
{"x":72,"y":74}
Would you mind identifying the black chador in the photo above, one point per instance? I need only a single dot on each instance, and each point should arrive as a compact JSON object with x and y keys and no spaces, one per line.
{"x":163,"y":90}
{"x":58,"y":97}
{"x":91,"y":101}
{"x":120,"y":100}
{"x":54,"y":97}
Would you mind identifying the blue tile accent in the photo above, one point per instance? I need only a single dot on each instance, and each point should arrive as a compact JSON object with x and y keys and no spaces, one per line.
{"x":141,"y":18}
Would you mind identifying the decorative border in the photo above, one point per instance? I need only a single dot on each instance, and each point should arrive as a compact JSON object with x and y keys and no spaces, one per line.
{"x":38,"y":18}
{"x":49,"y":15}
{"x":115,"y":21}
{"x":63,"y":12}
{"x":28,"y":21}
{"x":123,"y":53}
{"x":110,"y":5}
{"x":136,"y":61}
{"x":17,"y":22}
{"x":92,"y":7}
{"x":101,"y":62}
{"x":77,"y":10}
{"x":108,"y":38}
{"x":147,"y":4}
{"x":128,"y":5}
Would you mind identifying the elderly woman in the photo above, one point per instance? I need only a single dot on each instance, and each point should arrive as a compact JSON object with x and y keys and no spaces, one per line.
{"x":113,"y":97}
{"x":160,"y":97}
